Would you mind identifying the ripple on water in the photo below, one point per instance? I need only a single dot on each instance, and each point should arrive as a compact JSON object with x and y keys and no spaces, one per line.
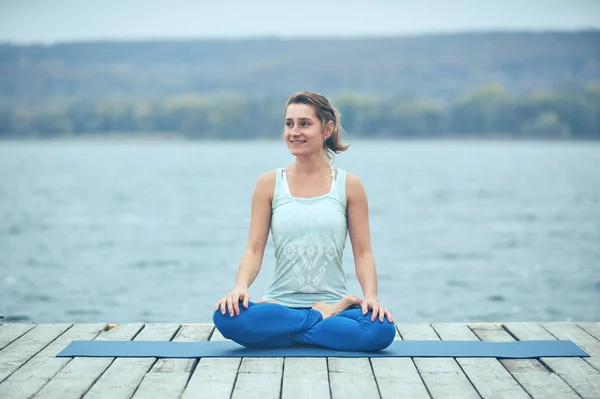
{"x":36,"y":298}
{"x":452,"y":256}
{"x":194,"y":243}
{"x":82,"y":312}
{"x":14,"y":230}
{"x":156,"y":263}
{"x":553,"y":312}
{"x":458,"y":283}
{"x":508,"y":244}
{"x":15,"y":318}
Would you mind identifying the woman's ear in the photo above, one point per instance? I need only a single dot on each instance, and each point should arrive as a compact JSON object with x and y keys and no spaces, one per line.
{"x":329,"y":129}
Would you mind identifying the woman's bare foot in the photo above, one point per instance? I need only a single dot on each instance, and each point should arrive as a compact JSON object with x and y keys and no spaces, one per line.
{"x":331,"y":310}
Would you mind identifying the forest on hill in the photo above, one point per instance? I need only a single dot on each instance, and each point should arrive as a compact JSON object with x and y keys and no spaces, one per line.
{"x":497,"y":83}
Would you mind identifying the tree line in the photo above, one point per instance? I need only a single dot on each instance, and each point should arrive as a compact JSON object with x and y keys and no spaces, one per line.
{"x":489,"y":111}
{"x":442,"y":67}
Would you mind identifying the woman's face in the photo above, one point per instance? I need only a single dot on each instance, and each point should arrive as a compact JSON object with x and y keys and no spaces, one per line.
{"x":303,"y":134}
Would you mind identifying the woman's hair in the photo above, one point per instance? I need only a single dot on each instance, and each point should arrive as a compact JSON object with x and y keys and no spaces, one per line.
{"x":326,"y":113}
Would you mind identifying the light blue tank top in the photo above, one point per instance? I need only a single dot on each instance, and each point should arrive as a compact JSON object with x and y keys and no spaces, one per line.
{"x":309,"y":237}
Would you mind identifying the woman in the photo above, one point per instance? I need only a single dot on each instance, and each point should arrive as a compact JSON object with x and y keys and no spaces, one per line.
{"x":310,"y":208}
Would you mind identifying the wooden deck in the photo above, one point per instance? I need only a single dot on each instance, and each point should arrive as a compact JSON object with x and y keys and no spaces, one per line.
{"x":29,"y":368}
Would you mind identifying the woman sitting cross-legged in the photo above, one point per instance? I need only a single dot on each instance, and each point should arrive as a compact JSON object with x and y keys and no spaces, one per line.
{"x":310,"y":208}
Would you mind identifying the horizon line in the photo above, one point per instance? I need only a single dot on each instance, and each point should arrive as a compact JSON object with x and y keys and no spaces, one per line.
{"x":337,"y":37}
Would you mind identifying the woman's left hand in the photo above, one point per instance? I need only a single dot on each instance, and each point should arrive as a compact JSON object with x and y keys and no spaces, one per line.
{"x":378,"y":309}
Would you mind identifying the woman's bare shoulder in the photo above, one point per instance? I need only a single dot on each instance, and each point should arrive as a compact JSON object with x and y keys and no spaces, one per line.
{"x":352,"y":180}
{"x":266,"y":182}
{"x":267,"y":177}
{"x":354,"y":186}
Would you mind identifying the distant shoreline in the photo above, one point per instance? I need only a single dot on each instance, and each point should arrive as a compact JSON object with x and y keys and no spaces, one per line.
{"x":178,"y":137}
{"x":300,"y":38}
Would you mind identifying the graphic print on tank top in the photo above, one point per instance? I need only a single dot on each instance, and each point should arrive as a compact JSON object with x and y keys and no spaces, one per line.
{"x":309,"y":235}
{"x":313,"y":253}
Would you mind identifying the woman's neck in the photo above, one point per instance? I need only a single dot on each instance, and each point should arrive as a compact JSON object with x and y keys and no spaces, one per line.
{"x":310,"y":165}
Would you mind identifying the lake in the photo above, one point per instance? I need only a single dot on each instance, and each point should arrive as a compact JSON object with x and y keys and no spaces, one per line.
{"x":152,"y":231}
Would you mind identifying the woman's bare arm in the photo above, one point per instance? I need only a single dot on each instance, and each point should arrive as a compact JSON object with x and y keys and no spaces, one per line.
{"x":260,"y":223}
{"x":250,"y":264}
{"x":360,"y":237}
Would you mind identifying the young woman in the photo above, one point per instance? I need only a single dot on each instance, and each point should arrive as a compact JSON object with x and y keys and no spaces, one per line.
{"x":309,"y":207}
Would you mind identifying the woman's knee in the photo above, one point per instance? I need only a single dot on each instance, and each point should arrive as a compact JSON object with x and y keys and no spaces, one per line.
{"x":381,"y":335}
{"x":230,"y":327}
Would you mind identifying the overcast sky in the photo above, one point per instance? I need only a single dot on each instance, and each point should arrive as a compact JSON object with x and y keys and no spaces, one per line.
{"x":48,"y":21}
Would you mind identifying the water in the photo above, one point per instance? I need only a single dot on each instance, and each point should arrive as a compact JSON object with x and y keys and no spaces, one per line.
{"x":153,"y":231}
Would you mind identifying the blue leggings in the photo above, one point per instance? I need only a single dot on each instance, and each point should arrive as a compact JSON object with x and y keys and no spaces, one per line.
{"x":270,"y":325}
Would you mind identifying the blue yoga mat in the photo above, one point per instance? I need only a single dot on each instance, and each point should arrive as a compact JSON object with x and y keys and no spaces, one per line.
{"x":170,"y":349}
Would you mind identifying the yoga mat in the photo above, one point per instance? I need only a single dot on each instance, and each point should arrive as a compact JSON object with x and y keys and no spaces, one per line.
{"x":170,"y":349}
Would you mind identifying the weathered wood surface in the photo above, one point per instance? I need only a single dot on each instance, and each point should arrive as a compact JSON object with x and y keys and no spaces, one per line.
{"x":29,"y":368}
{"x":398,"y":377}
{"x":79,"y":375}
{"x":488,"y":376}
{"x":10,"y":332}
{"x":532,"y":375}
{"x":443,"y":377}
{"x":168,"y":377}
{"x":578,"y":335}
{"x":35,"y":373}
{"x":580,"y":375}
{"x":213,"y":377}
{"x":305,"y":378}
{"x":124,"y":375}
{"x":17,"y":353}
{"x":259,"y":378}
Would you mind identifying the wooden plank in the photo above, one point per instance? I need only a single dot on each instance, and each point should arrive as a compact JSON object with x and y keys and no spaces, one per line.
{"x":213,"y":377}
{"x":76,"y":378}
{"x":168,"y":377}
{"x":305,"y":378}
{"x":581,"y":337}
{"x":398,"y":377}
{"x":261,"y":365}
{"x":123,"y":376}
{"x":352,"y":378}
{"x":531,"y":374}
{"x":185,"y":334}
{"x":576,"y":372}
{"x":488,"y":375}
{"x":259,"y":378}
{"x":33,"y":375}
{"x":592,"y":328}
{"x":10,"y":332}
{"x":443,"y":377}
{"x":28,"y":345}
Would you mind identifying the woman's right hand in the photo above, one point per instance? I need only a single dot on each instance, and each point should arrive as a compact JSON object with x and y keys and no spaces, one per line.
{"x":231,"y":301}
